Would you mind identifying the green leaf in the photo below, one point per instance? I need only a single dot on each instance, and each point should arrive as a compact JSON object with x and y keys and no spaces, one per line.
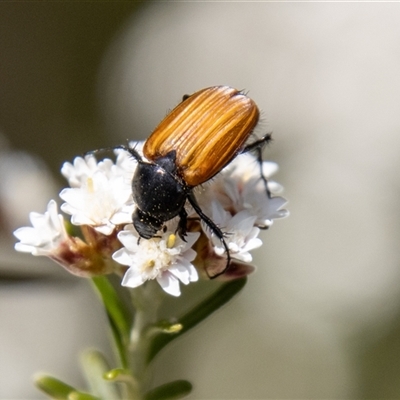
{"x":118,"y":315}
{"x":81,"y":396}
{"x":197,"y":314}
{"x":53,"y":387}
{"x":95,"y":366}
{"x":170,"y":391}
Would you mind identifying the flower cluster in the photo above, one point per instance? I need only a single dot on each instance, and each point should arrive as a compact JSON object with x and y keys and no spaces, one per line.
{"x":99,"y":200}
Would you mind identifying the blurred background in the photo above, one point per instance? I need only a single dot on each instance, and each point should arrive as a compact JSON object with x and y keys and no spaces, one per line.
{"x":321,"y":317}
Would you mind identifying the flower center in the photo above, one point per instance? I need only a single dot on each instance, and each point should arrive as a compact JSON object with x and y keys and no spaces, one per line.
{"x":147,"y":267}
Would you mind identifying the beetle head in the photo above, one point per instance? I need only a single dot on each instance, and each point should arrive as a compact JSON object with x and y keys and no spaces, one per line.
{"x":145,"y":225}
{"x":158,"y":193}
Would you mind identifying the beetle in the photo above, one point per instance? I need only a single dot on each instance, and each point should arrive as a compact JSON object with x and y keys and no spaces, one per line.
{"x":194,"y":142}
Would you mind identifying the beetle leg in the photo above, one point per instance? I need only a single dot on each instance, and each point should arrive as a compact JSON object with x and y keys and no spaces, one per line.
{"x":258,"y":146}
{"x":260,"y":163}
{"x":217,"y":231}
{"x":182,"y":224}
{"x":185,"y":97}
{"x":259,"y":143}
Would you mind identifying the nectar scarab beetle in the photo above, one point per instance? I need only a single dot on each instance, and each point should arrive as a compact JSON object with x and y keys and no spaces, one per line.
{"x":194,"y":142}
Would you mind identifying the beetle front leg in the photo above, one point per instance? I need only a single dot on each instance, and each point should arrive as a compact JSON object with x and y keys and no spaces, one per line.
{"x":214,"y":228}
{"x":182,"y":225}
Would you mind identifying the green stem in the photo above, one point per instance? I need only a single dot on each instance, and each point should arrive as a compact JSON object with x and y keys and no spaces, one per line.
{"x":146,"y":301}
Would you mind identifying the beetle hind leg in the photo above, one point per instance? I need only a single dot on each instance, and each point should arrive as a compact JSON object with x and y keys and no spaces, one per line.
{"x":258,"y":146}
{"x":259,"y":143}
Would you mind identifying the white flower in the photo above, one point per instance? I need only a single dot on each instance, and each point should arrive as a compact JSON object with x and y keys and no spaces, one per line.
{"x":246,"y":167}
{"x":166,"y":259}
{"x":78,"y":172}
{"x":241,"y":234}
{"x":100,"y":193}
{"x":125,"y":163}
{"x":239,"y":187}
{"x":45,"y":235}
{"x":265,"y":208}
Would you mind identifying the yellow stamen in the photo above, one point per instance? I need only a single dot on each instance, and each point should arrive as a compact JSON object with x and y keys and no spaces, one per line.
{"x":171,"y":241}
{"x":90,"y":186}
{"x":149,"y":266}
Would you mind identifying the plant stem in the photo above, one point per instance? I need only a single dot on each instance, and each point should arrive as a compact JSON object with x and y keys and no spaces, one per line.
{"x":146,"y":301}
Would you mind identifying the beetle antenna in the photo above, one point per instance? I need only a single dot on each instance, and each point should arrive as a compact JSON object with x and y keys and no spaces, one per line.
{"x":104,"y":149}
{"x":128,"y":148}
{"x":131,"y":150}
{"x":215,"y":230}
{"x":134,"y":153}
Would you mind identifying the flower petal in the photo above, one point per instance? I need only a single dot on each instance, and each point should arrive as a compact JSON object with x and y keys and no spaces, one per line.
{"x":132,"y":278}
{"x":169,"y":283}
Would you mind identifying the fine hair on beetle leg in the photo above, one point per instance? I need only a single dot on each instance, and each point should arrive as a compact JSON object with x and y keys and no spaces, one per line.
{"x":217,"y":231}
{"x":258,"y":147}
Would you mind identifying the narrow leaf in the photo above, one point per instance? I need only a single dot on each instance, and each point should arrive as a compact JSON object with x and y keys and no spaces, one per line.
{"x":118,"y":315}
{"x":53,"y":387}
{"x":170,"y":391}
{"x":197,"y":314}
{"x":82,"y":396}
{"x":114,"y":305}
{"x":95,"y":366}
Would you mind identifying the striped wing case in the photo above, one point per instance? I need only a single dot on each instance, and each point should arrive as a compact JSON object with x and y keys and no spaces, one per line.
{"x":207,"y":130}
